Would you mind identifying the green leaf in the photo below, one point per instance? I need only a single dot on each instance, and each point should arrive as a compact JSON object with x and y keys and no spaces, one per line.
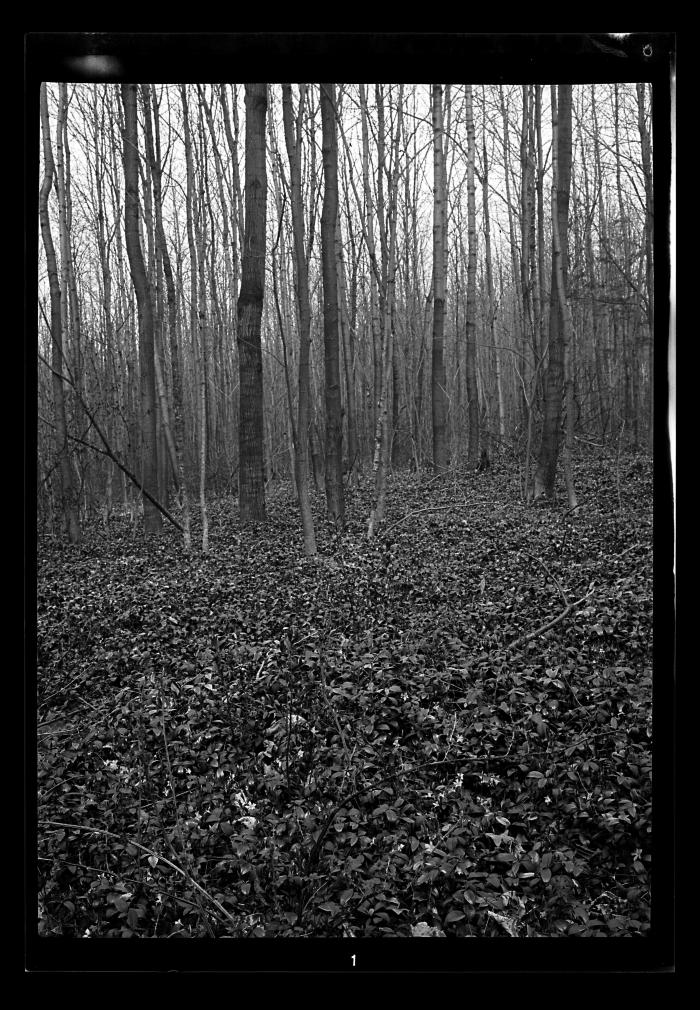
{"x":454,"y":915}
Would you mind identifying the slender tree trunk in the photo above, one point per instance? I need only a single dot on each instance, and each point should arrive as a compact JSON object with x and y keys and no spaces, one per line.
{"x":368,"y":214}
{"x":250,"y":304}
{"x":67,"y":492}
{"x":335,"y":503}
{"x":648,"y":244}
{"x":500,"y":406}
{"x":293,"y":135}
{"x":162,"y":248}
{"x":152,"y":518}
{"x":439,"y":390}
{"x":383,"y":436}
{"x":348,"y":360}
{"x":561,"y":167}
{"x":472,"y":392}
{"x":202,"y":342}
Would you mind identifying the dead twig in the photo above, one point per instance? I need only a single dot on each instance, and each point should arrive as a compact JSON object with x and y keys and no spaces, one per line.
{"x":144,"y":848}
{"x":550,"y":624}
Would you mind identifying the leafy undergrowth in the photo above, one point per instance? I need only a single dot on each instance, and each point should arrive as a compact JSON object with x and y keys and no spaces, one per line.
{"x":387,"y":741}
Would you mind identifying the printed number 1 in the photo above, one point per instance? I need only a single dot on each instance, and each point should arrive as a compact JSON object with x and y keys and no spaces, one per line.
{"x":353,"y":959}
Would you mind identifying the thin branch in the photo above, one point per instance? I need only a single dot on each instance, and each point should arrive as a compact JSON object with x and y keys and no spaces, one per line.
{"x":151,"y":852}
{"x":109,"y":451}
{"x":550,"y":624}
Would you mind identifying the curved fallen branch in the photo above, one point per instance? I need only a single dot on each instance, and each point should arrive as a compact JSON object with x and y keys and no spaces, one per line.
{"x":550,"y":624}
{"x":158,"y":856}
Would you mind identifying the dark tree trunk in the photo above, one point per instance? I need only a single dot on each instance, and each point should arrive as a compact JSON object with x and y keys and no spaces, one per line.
{"x":472,"y":388}
{"x":439,"y":393}
{"x":250,"y":304}
{"x":335,"y":503}
{"x":152,"y":518}
{"x":554,"y":376}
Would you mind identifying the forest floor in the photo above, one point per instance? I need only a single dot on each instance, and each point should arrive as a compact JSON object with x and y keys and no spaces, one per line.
{"x":443,"y":731}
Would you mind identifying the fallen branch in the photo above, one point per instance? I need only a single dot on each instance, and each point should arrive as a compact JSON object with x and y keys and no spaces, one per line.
{"x":550,"y":624}
{"x":428,"y":508}
{"x":157,"y":855}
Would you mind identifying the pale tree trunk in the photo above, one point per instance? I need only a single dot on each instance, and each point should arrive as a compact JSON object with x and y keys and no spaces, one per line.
{"x":648,"y":244}
{"x":195,"y":272}
{"x":67,"y":493}
{"x":382,"y":453}
{"x":152,"y":518}
{"x":595,"y":293}
{"x":604,"y":314}
{"x":293,"y":134}
{"x":439,"y":393}
{"x":348,"y":360}
{"x":250,"y":304}
{"x":500,"y":405}
{"x":561,"y":171}
{"x":162,"y":247}
{"x":539,"y":186}
{"x":472,"y":392}
{"x":202,"y":333}
{"x":237,"y":198}
{"x":368,"y":228}
{"x":335,"y":503}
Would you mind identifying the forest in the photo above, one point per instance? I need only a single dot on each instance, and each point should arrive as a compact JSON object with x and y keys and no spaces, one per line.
{"x":345,"y":510}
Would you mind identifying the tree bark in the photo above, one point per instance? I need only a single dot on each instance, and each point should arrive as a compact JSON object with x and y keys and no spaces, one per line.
{"x":152,"y":518}
{"x":335,"y":503}
{"x":471,"y":383}
{"x":293,"y":135}
{"x":439,"y":391}
{"x":498,"y":392}
{"x":162,"y":248}
{"x":545,"y":475}
{"x":648,"y":245}
{"x":67,"y":492}
{"x":250,"y":304}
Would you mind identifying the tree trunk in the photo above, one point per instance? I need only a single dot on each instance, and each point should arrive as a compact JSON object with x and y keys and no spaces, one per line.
{"x":67,"y":493}
{"x":561,"y":166}
{"x":162,"y":248}
{"x":472,"y":392}
{"x":335,"y":504}
{"x":648,"y":245}
{"x":545,"y":475}
{"x":152,"y":518}
{"x":250,"y":304}
{"x":439,"y":392}
{"x":383,"y":435}
{"x":301,"y":435}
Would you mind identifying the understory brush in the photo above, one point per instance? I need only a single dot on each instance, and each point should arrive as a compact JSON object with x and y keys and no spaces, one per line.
{"x":447,"y":725}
